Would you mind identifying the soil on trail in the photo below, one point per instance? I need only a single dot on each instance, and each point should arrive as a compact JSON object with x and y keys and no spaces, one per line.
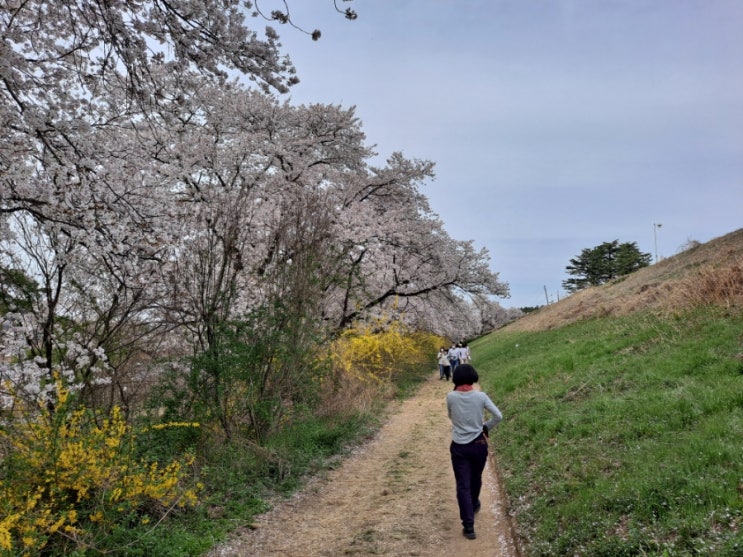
{"x":393,"y":496}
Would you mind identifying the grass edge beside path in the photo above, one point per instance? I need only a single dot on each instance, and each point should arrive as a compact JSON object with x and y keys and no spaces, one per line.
{"x":622,"y":435}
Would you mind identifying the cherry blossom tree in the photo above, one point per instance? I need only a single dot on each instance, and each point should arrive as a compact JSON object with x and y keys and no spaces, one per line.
{"x":399,"y":257}
{"x":73,"y":67}
{"x":252,"y":231}
{"x":148,"y":204}
{"x":89,"y":91}
{"x":91,"y":242}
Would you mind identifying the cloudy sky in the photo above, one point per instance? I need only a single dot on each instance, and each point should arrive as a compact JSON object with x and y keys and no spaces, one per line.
{"x":555,"y":125}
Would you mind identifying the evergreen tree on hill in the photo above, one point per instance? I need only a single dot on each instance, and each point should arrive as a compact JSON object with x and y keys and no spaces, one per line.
{"x":605,"y":262}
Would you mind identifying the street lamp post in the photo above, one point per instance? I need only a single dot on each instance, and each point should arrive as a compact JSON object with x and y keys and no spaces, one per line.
{"x":656,"y":226}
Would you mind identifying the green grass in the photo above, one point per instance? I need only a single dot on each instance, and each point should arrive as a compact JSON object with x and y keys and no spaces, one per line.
{"x":622,"y":436}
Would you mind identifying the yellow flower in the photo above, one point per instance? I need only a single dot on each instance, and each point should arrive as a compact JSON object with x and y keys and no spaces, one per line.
{"x":64,"y":462}
{"x":116,"y":494}
{"x":5,"y":540}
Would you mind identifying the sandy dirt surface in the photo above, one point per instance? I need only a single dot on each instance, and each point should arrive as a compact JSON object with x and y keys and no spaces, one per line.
{"x":393,"y":496}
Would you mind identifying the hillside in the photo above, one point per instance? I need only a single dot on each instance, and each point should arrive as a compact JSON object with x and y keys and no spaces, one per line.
{"x":710,"y":269}
{"x":623,"y":411}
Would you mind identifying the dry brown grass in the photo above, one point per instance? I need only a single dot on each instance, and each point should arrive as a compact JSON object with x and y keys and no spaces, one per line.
{"x":711,"y":286}
{"x":346,"y":395}
{"x":704,"y":274}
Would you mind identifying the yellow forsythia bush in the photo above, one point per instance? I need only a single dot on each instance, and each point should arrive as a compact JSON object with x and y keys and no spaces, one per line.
{"x":376,"y":351}
{"x":66,"y":480}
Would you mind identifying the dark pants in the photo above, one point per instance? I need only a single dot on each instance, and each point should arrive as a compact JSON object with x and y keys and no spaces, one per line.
{"x":468,"y":462}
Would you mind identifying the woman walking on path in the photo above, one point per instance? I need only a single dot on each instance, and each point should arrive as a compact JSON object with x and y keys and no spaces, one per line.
{"x":444,"y":365}
{"x":466,"y":357}
{"x":469,"y":446}
{"x":453,"y":357}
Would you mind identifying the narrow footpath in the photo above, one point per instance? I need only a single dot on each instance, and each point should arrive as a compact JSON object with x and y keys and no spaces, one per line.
{"x":393,"y":496}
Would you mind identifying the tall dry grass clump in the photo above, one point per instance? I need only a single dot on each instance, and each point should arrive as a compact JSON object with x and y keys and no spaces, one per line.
{"x":710,"y":286}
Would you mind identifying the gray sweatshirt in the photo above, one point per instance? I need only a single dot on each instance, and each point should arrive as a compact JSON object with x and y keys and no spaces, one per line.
{"x":466,"y":414}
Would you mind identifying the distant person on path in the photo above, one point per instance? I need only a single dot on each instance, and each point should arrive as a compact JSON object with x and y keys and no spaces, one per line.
{"x":453,"y":355}
{"x":469,"y":445}
{"x":466,"y":355}
{"x":462,"y":353}
{"x":444,"y":365}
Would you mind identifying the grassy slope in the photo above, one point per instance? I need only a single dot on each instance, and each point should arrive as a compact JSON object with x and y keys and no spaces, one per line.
{"x":624,"y":429}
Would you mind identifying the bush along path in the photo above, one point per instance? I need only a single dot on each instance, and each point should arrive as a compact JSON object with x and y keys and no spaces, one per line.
{"x":393,"y":496}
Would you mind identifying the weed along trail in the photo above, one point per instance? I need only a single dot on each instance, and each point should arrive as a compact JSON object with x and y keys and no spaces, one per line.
{"x":394,"y":496}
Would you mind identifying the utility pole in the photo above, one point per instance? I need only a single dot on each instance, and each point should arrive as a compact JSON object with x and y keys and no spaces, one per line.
{"x":656,"y":226}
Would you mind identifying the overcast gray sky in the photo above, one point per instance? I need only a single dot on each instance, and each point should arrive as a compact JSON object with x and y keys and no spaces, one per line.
{"x":555,"y":125}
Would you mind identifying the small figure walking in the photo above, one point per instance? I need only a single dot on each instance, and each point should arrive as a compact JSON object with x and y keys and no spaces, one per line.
{"x":444,"y":365}
{"x":469,"y":445}
{"x":453,"y":356}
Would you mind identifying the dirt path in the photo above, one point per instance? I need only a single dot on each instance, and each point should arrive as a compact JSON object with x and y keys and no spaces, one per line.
{"x":394,"y":496}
